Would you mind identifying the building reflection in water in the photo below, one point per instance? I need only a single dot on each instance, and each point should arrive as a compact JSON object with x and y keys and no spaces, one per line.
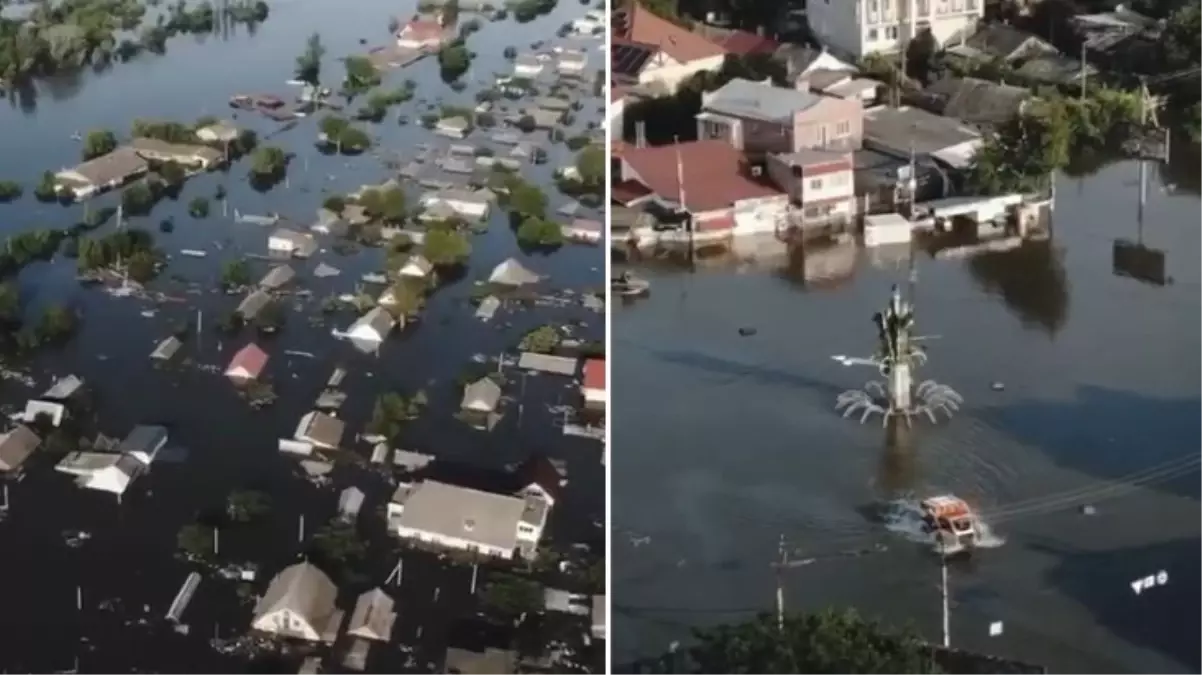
{"x":898,"y":467}
{"x":822,"y":263}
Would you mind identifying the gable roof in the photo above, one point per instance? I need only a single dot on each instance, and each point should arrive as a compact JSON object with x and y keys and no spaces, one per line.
{"x":512,"y":273}
{"x":421,"y":29}
{"x":474,"y":515}
{"x":975,"y":101}
{"x":378,"y":319}
{"x":758,"y":100}
{"x":277,"y":276}
{"x":637,"y":23}
{"x":16,"y":446}
{"x":250,"y":358}
{"x":373,"y":616}
{"x":538,"y":470}
{"x":483,"y":394}
{"x":303,"y":589}
{"x":627,"y":58}
{"x":1005,"y":42}
{"x":144,"y":439}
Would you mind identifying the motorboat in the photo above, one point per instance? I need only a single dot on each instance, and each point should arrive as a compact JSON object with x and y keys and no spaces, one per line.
{"x":952,"y":521}
{"x":628,"y":285}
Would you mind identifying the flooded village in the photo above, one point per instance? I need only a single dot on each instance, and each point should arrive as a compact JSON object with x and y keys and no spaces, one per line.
{"x":767,"y":196}
{"x":304,"y":355}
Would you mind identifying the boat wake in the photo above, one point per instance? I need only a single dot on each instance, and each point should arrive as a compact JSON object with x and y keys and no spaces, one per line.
{"x":904,"y":517}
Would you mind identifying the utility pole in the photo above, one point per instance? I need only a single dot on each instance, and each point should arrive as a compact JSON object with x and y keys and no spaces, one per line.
{"x":780,"y":585}
{"x":1084,"y":72}
{"x":1143,"y":163}
{"x":947,"y":619}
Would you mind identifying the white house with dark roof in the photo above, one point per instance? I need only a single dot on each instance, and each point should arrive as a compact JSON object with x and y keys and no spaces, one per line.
{"x":373,"y":616}
{"x":649,"y":51}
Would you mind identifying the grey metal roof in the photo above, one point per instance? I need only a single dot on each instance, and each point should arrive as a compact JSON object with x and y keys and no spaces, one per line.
{"x":808,"y":156}
{"x":323,"y":428}
{"x":144,"y":438}
{"x":758,"y":100}
{"x":378,"y":319}
{"x":473,"y":515}
{"x":373,"y":616}
{"x":64,"y":388}
{"x":302,"y":589}
{"x":975,"y":101}
{"x":482,"y":395}
{"x":1006,"y":42}
{"x":560,"y":365}
{"x":821,"y":78}
{"x":253,"y":303}
{"x":895,"y":129}
{"x":118,"y":164}
{"x":350,"y":501}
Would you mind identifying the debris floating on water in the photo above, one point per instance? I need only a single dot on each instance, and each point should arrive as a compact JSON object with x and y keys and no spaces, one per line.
{"x":997,"y":386}
{"x":747,"y":331}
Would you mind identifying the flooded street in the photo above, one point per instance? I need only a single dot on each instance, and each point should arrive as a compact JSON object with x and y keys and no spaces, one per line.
{"x":1080,"y":388}
{"x":128,"y":566}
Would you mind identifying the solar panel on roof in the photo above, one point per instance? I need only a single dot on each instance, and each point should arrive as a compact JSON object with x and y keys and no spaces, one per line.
{"x":628,"y":59}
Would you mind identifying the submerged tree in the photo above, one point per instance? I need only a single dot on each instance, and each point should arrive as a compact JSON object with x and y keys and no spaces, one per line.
{"x":826,"y":642}
{"x":308,"y":64}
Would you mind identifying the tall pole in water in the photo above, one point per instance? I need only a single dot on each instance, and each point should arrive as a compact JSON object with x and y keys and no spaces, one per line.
{"x":689,"y":230}
{"x":780,"y":585}
{"x":1143,"y":164}
{"x":947,"y":619}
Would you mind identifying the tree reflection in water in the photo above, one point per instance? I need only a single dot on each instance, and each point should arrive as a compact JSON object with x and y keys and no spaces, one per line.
{"x":1031,"y":281}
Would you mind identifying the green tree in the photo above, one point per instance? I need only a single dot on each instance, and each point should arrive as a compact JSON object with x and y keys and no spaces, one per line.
{"x":446,"y":247}
{"x":268,"y":161}
{"x":541,"y":340}
{"x":138,"y":199}
{"x":538,"y":232}
{"x":308,"y":64}
{"x":142,"y":266}
{"x":235,"y":273}
{"x":10,"y":304}
{"x":172,"y":173}
{"x":10,"y":191}
{"x":527,"y":199}
{"x":57,"y":324}
{"x":512,"y":595}
{"x":332,"y":127}
{"x":47,"y":189}
{"x":827,"y":642}
{"x":387,"y":204}
{"x":195,"y":541}
{"x":453,"y":60}
{"x":199,"y":207}
{"x":390,"y":413}
{"x":590,"y":162}
{"x":243,"y":506}
{"x":98,"y":142}
{"x":361,"y":75}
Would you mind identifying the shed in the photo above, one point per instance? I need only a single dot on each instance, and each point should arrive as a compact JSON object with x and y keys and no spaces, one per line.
{"x":144,"y":442}
{"x":252,"y":304}
{"x":320,"y":429}
{"x":53,"y":410}
{"x":63,"y":388}
{"x":166,"y":349}
{"x":488,"y":307}
{"x":483,"y":395}
{"x":883,"y":229}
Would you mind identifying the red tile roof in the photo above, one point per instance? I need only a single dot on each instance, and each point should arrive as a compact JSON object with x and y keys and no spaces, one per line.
{"x":627,"y":191}
{"x":642,"y":25}
{"x":250,"y":358}
{"x":594,"y":374}
{"x":714,"y":175}
{"x":744,"y":43}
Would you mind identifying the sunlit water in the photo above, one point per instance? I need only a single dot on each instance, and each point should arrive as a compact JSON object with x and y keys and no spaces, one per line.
{"x":723,"y":442}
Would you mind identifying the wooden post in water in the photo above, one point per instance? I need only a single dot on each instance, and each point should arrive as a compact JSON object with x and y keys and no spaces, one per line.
{"x":300,"y":534}
{"x":216,"y":540}
{"x":79,"y":598}
{"x":4,"y":506}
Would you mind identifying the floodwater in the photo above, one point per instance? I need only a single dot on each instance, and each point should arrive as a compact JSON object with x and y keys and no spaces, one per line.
{"x":725,"y":442}
{"x":129,"y":556}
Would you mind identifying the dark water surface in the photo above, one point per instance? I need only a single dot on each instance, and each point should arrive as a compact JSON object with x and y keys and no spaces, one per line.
{"x":129,"y":557}
{"x":725,"y":442}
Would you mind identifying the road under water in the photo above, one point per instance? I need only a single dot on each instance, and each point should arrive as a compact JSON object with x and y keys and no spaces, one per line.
{"x":129,"y":558}
{"x":724,"y":442}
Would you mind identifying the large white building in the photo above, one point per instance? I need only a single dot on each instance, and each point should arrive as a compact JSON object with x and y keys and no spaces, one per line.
{"x":470,"y":520}
{"x":856,"y":28}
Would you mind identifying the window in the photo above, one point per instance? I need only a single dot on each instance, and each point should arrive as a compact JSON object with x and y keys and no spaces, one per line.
{"x":970,"y":5}
{"x":891,"y":32}
{"x":815,"y":183}
{"x":811,"y":212}
{"x":924,"y":7}
{"x":872,"y":35}
{"x":842,"y":129}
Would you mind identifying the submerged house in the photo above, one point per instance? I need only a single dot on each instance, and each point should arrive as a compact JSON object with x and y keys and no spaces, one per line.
{"x":16,"y":446}
{"x":319,"y":430}
{"x":416,"y":267}
{"x":278,"y":277}
{"x":372,"y":327}
{"x":247,"y":364}
{"x":299,"y":604}
{"x":373,"y":616}
{"x":481,"y":396}
{"x":114,"y":472}
{"x":457,"y":517}
{"x":512,"y":273}
{"x":593,"y":386}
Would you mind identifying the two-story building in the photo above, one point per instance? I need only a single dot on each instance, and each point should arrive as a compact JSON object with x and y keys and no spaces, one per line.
{"x":758,"y":119}
{"x":656,"y":54}
{"x":820,"y":184}
{"x":856,"y":28}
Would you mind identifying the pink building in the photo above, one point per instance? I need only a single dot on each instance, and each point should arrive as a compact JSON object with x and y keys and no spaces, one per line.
{"x":421,"y":34}
{"x":759,"y":118}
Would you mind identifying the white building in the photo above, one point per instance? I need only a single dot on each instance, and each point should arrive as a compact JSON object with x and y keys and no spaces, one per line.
{"x":421,"y":34}
{"x":416,"y":267}
{"x":299,"y":604}
{"x":290,"y":242}
{"x":451,"y":516}
{"x":372,"y":327}
{"x":373,"y":616}
{"x":856,"y":28}
{"x":527,"y":66}
{"x":572,"y":61}
{"x":466,"y":204}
